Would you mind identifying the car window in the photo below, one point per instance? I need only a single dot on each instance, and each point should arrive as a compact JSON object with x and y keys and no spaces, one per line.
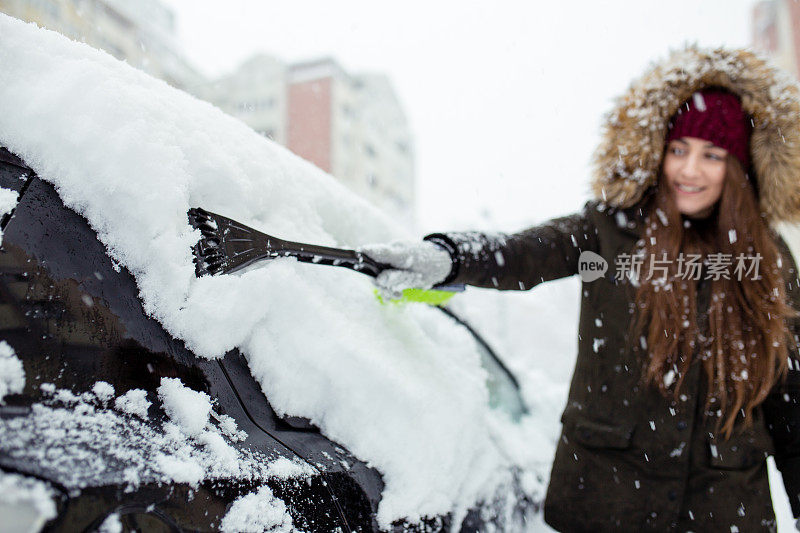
{"x":504,"y":393}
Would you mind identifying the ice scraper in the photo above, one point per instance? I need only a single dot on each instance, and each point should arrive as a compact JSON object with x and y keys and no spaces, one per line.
{"x":227,"y":246}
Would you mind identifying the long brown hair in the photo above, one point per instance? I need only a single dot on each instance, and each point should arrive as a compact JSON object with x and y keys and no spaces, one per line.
{"x":746,"y":350}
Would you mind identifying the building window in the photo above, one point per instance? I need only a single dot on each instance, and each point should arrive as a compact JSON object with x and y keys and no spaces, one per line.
{"x":117,"y":17}
{"x":49,"y":7}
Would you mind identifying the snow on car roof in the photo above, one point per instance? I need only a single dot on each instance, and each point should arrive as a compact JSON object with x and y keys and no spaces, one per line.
{"x":400,"y":386}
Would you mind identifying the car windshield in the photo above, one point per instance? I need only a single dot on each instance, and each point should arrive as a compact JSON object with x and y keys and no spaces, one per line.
{"x":504,"y":393}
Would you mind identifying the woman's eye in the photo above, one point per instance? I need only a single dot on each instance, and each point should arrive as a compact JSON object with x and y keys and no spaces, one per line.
{"x":715,"y":157}
{"x":676,"y":150}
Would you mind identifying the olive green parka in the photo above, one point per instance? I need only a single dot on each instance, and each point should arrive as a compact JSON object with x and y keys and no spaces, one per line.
{"x":629,"y":458}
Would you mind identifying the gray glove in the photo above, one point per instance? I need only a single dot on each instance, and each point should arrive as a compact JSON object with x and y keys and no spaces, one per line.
{"x":416,"y":264}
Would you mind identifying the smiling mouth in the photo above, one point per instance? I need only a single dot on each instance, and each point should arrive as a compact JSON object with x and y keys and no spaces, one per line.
{"x":688,"y":189}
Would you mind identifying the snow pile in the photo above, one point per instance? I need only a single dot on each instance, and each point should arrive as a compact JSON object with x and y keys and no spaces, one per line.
{"x":256,"y":512}
{"x":23,"y":500}
{"x":133,"y":402}
{"x":112,"y":524}
{"x":400,"y":386}
{"x":103,"y":390}
{"x":8,"y":201}
{"x":12,"y":375}
{"x":188,"y":408}
{"x":83,"y":443}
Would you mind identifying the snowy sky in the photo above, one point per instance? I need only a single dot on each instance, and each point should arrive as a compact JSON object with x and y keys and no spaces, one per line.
{"x":504,"y":98}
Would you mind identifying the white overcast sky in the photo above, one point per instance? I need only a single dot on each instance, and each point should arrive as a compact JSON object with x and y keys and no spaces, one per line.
{"x":504,"y":98}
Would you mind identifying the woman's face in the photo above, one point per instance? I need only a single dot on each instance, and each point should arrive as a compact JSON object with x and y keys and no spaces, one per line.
{"x":695,"y":173}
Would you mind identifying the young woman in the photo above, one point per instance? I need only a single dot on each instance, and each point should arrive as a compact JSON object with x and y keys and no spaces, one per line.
{"x":671,"y":417}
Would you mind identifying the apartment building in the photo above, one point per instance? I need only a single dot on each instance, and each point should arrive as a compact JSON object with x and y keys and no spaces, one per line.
{"x":142,"y":33}
{"x":351,"y":126}
{"x":776,"y":32}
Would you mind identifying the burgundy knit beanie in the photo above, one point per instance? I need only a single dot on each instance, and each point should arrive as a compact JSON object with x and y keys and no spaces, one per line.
{"x":716,"y":116}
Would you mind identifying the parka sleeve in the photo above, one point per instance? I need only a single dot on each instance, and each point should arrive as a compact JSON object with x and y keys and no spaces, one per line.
{"x":521,"y":260}
{"x":782,"y":407}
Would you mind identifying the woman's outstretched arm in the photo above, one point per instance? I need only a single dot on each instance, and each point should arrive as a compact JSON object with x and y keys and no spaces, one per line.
{"x":521,"y":260}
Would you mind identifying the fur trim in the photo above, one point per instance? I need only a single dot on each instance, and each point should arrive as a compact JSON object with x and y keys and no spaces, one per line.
{"x":628,"y":160}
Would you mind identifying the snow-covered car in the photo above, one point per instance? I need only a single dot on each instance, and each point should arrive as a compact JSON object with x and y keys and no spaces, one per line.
{"x":76,"y":324}
{"x":135,"y":395}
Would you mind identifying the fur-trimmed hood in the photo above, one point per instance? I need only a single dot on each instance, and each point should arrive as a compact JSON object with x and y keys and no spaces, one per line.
{"x":627,"y":162}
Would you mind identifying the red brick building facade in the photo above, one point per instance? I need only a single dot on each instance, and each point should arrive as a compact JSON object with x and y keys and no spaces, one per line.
{"x":309,"y":123}
{"x":776,"y":32}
